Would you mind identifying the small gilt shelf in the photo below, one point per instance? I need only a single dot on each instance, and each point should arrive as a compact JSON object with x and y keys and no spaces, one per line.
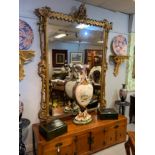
{"x":118,"y":60}
{"x":24,"y":57}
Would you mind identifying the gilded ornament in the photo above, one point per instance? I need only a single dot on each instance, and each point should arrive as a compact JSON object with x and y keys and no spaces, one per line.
{"x":118,"y":60}
{"x":24,"y":57}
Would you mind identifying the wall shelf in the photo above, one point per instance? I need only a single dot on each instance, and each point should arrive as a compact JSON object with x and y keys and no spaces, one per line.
{"x":118,"y":60}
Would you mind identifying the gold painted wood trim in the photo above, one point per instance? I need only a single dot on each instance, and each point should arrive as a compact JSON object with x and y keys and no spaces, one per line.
{"x":44,"y":14}
{"x":118,"y":60}
{"x":104,"y":67}
{"x":47,"y":12}
{"x":43,"y":68}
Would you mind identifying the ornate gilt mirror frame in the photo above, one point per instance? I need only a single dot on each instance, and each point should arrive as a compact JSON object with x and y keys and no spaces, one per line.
{"x":79,"y":16}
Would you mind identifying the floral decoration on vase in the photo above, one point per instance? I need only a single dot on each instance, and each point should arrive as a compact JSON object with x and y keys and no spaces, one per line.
{"x":79,"y":89}
{"x":123,"y":93}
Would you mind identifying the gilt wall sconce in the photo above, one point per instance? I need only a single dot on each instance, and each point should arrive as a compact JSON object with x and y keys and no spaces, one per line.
{"x":118,"y":60}
{"x":24,"y":57}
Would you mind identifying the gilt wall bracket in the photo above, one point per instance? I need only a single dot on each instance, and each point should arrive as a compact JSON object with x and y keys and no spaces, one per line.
{"x":24,"y":58}
{"x":118,"y":60}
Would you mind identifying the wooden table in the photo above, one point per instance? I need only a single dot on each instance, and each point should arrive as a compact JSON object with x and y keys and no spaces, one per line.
{"x":130,"y":144}
{"x":122,"y":106}
{"x":82,"y":139}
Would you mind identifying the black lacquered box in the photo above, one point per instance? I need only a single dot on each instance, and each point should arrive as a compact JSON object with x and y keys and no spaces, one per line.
{"x":92,"y":104}
{"x":107,"y":114}
{"x":52,"y":129}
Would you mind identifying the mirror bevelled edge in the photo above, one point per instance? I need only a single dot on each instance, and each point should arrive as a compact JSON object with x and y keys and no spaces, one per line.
{"x":79,"y":16}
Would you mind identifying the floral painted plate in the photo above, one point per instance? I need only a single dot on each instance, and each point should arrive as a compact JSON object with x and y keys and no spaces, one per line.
{"x":25,"y":35}
{"x":119,"y":45}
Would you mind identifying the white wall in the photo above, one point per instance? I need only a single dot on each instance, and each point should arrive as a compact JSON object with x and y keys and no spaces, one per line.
{"x":30,"y":87}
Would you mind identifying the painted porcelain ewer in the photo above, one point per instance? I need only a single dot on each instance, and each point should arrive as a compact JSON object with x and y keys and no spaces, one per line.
{"x":81,"y":91}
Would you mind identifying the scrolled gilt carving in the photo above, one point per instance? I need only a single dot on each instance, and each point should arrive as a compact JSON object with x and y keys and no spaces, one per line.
{"x":47,"y":12}
{"x":118,"y":60}
{"x":24,"y":57}
{"x":107,"y":25}
{"x":44,"y":11}
{"x":41,"y":71}
{"x":104,"y":67}
{"x":81,"y":13}
{"x":80,"y":16}
{"x":42,"y":66}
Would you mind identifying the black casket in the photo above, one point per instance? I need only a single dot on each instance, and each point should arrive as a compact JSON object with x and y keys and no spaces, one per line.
{"x":107,"y":113}
{"x":52,"y":129}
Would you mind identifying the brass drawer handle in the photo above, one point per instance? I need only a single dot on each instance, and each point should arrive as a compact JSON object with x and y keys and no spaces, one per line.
{"x":58,"y":147}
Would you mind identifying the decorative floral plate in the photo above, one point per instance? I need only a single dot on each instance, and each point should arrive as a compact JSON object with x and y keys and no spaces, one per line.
{"x":119,"y":45}
{"x":25,"y":35}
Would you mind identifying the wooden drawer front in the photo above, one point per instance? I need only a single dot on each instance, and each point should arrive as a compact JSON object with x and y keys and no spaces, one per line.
{"x":120,"y":131}
{"x":98,"y":138}
{"x":63,"y":151}
{"x":109,"y":136}
{"x":59,"y":147}
{"x":67,"y":150}
{"x":115,"y":133}
{"x":82,"y":144}
{"x":121,"y":134}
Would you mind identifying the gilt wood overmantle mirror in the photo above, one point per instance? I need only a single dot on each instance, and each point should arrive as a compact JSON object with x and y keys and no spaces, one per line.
{"x":50,"y":20}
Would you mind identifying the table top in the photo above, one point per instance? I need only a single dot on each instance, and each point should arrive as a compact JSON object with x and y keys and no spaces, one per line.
{"x":75,"y":128}
{"x":119,"y":102}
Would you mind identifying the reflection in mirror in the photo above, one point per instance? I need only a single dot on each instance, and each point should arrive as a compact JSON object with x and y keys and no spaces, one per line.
{"x":65,"y":39}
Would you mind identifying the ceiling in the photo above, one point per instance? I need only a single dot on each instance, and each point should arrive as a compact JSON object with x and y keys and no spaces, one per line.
{"x":124,"y":6}
{"x":89,"y":35}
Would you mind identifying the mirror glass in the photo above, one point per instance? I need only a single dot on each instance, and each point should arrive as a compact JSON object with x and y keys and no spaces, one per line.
{"x":70,"y":43}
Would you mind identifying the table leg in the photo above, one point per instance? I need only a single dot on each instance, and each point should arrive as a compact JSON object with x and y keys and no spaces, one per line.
{"x":120,"y":109}
{"x":22,"y":148}
{"x":33,"y":139}
{"x":123,"y":110}
{"x":127,"y":147}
